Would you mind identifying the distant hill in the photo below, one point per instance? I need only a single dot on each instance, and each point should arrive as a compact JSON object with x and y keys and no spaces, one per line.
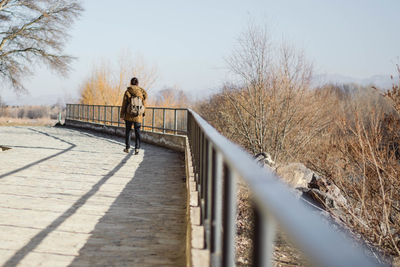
{"x":381,"y":81}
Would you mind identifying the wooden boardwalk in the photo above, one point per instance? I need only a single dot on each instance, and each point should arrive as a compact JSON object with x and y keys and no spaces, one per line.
{"x":72,"y":198}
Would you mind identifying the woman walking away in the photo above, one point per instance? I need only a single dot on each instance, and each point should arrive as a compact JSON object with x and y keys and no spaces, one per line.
{"x":132,"y":111}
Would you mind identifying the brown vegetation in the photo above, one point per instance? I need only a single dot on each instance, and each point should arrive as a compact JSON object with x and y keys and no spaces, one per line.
{"x":271,"y":109}
{"x":349,"y":134}
{"x":360,"y":155}
{"x":170,"y":97}
{"x":106,"y":86}
{"x":30,"y":115}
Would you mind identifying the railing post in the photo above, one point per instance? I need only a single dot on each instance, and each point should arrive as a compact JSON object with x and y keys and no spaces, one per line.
{"x":93,"y":113}
{"x":175,"y":123}
{"x":204,"y":148}
{"x":216,"y":227}
{"x":263,"y":238}
{"x":112,"y":118}
{"x":119,"y":119}
{"x":229,"y":217}
{"x":202,"y":174}
{"x":152,"y":120}
{"x":209,"y":203}
{"x":87,"y":113}
{"x":197,"y":138}
{"x":164,"y":120}
{"x":105,"y":115}
{"x":187,"y":115}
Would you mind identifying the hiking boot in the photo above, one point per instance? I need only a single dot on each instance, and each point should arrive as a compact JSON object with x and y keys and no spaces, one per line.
{"x":136,"y":151}
{"x":126,"y":150}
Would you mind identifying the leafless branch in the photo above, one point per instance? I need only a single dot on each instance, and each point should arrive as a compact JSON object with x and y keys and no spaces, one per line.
{"x":34,"y":31}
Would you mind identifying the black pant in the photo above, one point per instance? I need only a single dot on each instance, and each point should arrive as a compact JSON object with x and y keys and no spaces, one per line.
{"x":128,"y":128}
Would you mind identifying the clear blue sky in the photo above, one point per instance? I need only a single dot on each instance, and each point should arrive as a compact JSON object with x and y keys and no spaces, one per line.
{"x":188,"y":40}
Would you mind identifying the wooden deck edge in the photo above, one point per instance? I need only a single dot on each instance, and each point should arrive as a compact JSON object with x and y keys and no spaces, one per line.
{"x":196,"y":254}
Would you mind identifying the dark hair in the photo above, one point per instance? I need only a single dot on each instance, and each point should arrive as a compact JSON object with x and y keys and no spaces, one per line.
{"x":134,"y":81}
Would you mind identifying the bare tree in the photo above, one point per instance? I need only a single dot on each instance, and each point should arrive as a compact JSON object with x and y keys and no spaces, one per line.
{"x":270,"y":107}
{"x":136,"y":66}
{"x":107,"y":84}
{"x":394,"y":93}
{"x":349,"y":134}
{"x":171,"y":97}
{"x":31,"y":32}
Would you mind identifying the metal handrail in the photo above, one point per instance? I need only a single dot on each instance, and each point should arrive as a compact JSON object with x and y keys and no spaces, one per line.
{"x":218,"y":163}
{"x":171,"y":120}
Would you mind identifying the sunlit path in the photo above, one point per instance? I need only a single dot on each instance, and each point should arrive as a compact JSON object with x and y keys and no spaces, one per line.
{"x":70,"y":197}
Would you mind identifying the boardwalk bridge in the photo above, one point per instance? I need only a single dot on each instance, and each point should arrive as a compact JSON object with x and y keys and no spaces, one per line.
{"x":69,"y":196}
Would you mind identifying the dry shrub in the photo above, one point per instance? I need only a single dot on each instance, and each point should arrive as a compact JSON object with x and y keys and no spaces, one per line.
{"x":270,"y":108}
{"x":37,"y":112}
{"x":349,"y":134}
{"x":170,"y":97}
{"x":360,"y":154}
{"x":3,"y":108}
{"x":29,"y":112}
{"x":32,"y":112}
{"x":106,"y":86}
{"x":394,"y":93}
{"x":357,"y":148}
{"x":100,"y":90}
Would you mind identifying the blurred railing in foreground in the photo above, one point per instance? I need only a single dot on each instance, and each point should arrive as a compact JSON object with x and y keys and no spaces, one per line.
{"x":156,"y":119}
{"x":218,"y":163}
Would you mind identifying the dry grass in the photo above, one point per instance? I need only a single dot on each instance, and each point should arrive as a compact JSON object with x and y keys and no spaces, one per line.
{"x":30,"y":115}
{"x":361,"y":156}
{"x":348,"y":134}
{"x":244,"y":224}
{"x":359,"y":151}
{"x":4,"y":121}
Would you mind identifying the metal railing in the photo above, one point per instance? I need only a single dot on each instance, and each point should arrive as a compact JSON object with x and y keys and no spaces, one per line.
{"x":217,"y":165}
{"x":156,"y":119}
